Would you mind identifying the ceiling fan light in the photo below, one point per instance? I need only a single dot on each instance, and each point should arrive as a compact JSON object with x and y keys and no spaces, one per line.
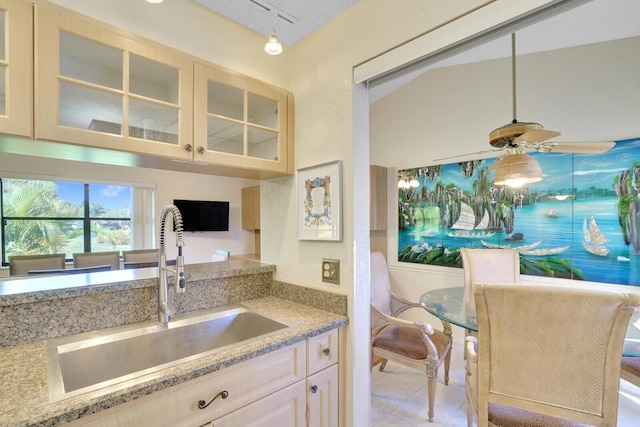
{"x":273,"y":46}
{"x":516,"y":170}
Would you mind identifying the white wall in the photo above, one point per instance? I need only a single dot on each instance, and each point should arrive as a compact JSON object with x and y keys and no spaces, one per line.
{"x":590,"y":92}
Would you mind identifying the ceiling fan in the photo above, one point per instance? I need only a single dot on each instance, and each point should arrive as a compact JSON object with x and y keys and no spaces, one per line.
{"x":517,"y":137}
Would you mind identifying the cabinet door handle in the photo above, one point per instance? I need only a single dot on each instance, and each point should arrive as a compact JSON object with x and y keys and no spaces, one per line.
{"x":188,"y":148}
{"x":326,"y":351}
{"x":314,"y":389}
{"x":223,"y":394}
{"x":200,"y":149}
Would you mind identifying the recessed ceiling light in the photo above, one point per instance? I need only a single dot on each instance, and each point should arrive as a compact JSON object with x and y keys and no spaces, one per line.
{"x":155,"y":1}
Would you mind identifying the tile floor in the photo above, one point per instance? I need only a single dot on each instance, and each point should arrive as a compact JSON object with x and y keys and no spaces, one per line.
{"x":398,"y":398}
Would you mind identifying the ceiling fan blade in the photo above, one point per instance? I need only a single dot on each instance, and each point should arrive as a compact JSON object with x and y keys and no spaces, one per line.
{"x":468,"y":154}
{"x":584,"y":147}
{"x":537,"y":135}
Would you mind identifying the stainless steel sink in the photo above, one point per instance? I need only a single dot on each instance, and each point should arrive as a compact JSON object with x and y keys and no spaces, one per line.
{"x":102,"y":361}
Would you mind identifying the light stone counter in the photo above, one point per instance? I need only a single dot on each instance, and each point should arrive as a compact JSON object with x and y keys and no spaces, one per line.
{"x":23,"y":390}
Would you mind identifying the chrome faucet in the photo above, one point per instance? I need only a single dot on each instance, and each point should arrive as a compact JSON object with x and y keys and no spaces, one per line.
{"x":165,"y":298}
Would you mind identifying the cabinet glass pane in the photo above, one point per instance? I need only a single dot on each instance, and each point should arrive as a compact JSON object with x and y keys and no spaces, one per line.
{"x":225,"y":100}
{"x":85,"y":108}
{"x":224,"y":136}
{"x":91,"y":62}
{"x":3,"y":91}
{"x":152,"y":79}
{"x":3,"y":36}
{"x":262,"y":111}
{"x":262,"y":144}
{"x":153,"y":122}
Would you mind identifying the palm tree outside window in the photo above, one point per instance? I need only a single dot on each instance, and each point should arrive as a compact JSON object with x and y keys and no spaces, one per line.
{"x":43,"y":217}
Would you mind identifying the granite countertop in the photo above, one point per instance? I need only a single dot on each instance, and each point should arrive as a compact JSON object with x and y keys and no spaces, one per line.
{"x":21,"y":290}
{"x":24,"y":395}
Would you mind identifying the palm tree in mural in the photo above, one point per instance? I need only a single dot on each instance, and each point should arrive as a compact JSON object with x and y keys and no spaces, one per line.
{"x":36,"y":199}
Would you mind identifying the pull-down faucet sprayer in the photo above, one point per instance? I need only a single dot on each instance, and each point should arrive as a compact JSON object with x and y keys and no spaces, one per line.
{"x":165,"y":298}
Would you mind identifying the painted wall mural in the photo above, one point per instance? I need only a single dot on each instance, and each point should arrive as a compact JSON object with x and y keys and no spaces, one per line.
{"x":581,"y":222}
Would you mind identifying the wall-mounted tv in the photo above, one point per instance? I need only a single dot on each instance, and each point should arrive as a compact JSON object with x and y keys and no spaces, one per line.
{"x":203,"y":215}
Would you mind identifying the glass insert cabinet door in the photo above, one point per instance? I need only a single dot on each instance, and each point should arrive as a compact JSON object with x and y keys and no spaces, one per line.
{"x":110,"y":90}
{"x":239,"y":120}
{"x":16,"y":49}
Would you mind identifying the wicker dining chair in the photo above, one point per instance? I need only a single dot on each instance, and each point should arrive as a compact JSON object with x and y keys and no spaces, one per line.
{"x":546,"y":355}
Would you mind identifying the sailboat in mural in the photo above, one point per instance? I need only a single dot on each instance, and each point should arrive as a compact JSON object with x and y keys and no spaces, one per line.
{"x":594,"y":238}
{"x":466,"y":226}
{"x":528,"y":250}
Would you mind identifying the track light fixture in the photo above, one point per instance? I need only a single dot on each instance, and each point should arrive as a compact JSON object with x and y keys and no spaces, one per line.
{"x":273,"y":46}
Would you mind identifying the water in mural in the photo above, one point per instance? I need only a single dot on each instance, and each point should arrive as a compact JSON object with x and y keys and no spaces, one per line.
{"x":582,"y":221}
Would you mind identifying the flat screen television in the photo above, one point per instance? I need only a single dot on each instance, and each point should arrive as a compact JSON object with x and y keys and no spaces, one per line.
{"x":203,"y":215}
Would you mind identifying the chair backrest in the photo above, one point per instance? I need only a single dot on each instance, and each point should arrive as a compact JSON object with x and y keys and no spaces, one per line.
{"x":551,"y":349}
{"x":490,"y":265}
{"x":91,"y":259}
{"x":380,"y":285}
{"x":220,"y":255}
{"x":19,"y":265}
{"x":141,"y":255}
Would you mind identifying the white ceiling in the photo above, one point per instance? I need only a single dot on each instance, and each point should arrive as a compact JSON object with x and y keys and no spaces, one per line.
{"x":591,"y":22}
{"x":594,"y":21}
{"x":291,"y":19}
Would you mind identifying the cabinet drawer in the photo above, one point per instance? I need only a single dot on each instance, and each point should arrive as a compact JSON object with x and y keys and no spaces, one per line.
{"x":322,"y":351}
{"x":178,"y":406}
{"x":285,"y":408}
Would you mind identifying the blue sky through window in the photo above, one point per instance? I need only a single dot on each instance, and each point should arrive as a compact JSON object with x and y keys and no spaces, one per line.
{"x":110,"y":197}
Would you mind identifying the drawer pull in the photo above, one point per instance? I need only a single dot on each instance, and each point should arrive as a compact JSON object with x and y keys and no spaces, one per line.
{"x":202,"y":404}
{"x":314,"y":389}
{"x":326,"y":351}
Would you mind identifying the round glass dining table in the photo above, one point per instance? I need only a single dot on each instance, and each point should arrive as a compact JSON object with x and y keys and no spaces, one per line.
{"x":448,"y":304}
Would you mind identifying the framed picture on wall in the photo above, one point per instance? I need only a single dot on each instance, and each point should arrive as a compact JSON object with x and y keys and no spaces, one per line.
{"x":320,"y":202}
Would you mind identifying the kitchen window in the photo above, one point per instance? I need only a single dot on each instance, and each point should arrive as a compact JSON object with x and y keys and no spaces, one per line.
{"x":42,"y":217}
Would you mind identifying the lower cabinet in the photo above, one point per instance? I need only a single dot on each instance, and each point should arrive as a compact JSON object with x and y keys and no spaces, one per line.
{"x":284,"y":408}
{"x":292,"y":387}
{"x":322,"y":398}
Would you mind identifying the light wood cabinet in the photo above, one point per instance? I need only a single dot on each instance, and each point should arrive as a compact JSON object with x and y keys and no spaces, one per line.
{"x":322,"y":398}
{"x":16,"y":48}
{"x":242,"y":122}
{"x":251,"y":208}
{"x":284,"y":408}
{"x":292,"y":387}
{"x":96,"y":86}
{"x":322,"y":381}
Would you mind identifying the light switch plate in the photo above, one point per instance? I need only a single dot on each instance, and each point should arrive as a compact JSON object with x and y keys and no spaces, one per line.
{"x":331,"y":271}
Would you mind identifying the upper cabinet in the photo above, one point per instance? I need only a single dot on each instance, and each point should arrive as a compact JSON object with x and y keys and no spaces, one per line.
{"x":95,"y":86}
{"x":241,"y":122}
{"x":77,"y":80}
{"x":15,"y":67}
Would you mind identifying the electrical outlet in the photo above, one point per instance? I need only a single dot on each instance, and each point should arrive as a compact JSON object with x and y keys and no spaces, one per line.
{"x":331,"y":271}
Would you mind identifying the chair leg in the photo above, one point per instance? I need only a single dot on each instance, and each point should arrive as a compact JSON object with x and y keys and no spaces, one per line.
{"x":447,"y":363}
{"x":431,"y":395}
{"x":383,"y":364}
